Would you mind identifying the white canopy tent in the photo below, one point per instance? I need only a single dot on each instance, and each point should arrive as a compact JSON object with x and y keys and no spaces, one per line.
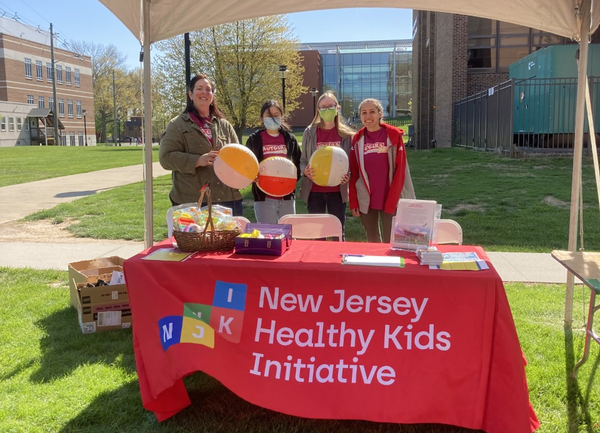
{"x":154,"y":20}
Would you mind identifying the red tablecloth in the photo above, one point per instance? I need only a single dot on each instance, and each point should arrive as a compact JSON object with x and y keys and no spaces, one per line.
{"x":305,"y":335}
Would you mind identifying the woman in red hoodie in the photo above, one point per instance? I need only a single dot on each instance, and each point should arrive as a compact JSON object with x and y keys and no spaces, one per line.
{"x":379,"y":174}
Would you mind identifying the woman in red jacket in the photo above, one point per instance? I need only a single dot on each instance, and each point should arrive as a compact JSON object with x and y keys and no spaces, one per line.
{"x":379,"y":174}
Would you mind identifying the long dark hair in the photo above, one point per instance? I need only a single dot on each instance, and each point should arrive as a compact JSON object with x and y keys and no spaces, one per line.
{"x":273,"y":103}
{"x":189,"y":106}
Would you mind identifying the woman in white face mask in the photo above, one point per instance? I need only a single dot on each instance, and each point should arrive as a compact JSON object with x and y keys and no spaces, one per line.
{"x":326,"y":129}
{"x":273,"y":139}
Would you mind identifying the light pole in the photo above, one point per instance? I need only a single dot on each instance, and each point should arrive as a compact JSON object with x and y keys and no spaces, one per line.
{"x":314,"y":92}
{"x":85,"y":125}
{"x":54,"y":101}
{"x":283,"y":71}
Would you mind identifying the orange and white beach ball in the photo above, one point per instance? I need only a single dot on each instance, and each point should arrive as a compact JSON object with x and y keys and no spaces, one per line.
{"x":330,"y":164}
{"x":277,"y":176}
{"x":236,"y":166}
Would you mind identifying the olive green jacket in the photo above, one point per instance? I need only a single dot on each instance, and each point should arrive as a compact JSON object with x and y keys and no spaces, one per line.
{"x":180,"y":147}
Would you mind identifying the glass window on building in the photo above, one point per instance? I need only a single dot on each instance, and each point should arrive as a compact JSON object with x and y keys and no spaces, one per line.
{"x":78,"y":104}
{"x":19,"y":124}
{"x":68,"y":75}
{"x":49,"y":71}
{"x":482,"y":43}
{"x":11,"y":124}
{"x":71,"y":139}
{"x":39,"y":72}
{"x":41,"y":102}
{"x":28,"y":68}
{"x":2,"y":123}
{"x":63,"y":138}
{"x":30,"y":100}
{"x":80,"y":137}
{"x":61,"y":107}
{"x":51,"y":102}
{"x":59,"y":74}
{"x":77,"y":77}
{"x":70,"y":107}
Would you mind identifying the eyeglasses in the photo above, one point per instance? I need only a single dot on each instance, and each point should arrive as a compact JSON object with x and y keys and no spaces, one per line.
{"x":326,"y":108}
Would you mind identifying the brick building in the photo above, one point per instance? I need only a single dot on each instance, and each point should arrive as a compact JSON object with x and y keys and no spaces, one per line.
{"x":27,"y":94}
{"x":455,"y":56}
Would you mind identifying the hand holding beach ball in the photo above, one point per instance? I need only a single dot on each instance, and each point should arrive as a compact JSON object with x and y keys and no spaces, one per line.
{"x":330,"y":165}
{"x":277,"y":176}
{"x":236,"y":166}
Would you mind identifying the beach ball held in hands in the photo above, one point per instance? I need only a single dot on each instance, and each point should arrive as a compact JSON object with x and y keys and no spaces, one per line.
{"x":330,"y":165}
{"x":277,"y":176}
{"x":236,"y":166}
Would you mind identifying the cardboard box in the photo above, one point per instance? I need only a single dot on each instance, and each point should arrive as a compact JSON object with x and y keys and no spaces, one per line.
{"x":80,"y":272}
{"x":104,"y":317}
{"x":270,"y":247}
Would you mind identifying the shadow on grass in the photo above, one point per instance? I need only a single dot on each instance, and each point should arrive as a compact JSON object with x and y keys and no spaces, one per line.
{"x":64,"y":348}
{"x":577,"y":404}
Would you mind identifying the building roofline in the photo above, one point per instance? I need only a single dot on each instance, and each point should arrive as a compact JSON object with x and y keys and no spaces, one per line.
{"x":398,"y":44}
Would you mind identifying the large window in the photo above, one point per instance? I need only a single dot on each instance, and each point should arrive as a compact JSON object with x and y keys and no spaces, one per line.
{"x":59,"y":74}
{"x":30,"y":100}
{"x":78,"y":103}
{"x":495,"y":45}
{"x":41,"y":102}
{"x":2,"y":123}
{"x":76,"y":77}
{"x":49,"y":71}
{"x":68,"y":75}
{"x":28,"y":68}
{"x":80,"y":136}
{"x":71,"y":138}
{"x":61,"y":107}
{"x":19,"y":124}
{"x":11,"y":124}
{"x":70,"y":107}
{"x":39,"y":72}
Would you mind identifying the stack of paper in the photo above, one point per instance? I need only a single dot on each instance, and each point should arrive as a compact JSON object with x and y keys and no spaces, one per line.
{"x":430,"y":256}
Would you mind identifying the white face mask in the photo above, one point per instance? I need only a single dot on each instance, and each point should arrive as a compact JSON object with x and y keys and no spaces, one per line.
{"x":272,"y":123}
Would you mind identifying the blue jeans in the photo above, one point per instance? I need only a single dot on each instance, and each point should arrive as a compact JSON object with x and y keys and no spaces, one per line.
{"x":270,"y":210}
{"x":328,"y":202}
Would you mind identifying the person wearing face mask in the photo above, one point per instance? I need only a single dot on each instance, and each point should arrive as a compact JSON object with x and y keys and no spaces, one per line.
{"x":326,"y":129}
{"x":191,"y":143}
{"x":379,"y":172}
{"x":273,"y":139}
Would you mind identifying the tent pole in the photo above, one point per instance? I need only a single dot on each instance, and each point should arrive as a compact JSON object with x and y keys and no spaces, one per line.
{"x":577,"y":150}
{"x":148,"y":190}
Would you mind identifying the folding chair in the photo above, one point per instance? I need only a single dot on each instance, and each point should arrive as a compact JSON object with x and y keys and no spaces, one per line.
{"x":313,"y":226}
{"x":448,"y":232}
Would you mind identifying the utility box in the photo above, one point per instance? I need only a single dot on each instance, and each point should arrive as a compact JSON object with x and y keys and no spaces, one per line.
{"x":545,"y":90}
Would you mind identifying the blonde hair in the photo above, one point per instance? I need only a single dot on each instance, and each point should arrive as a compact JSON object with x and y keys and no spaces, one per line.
{"x":342,"y":128}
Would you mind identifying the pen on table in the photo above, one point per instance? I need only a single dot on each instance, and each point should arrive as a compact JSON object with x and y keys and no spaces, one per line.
{"x":352,"y":255}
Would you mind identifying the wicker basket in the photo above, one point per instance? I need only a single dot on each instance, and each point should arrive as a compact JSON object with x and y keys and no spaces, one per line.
{"x":209,"y":239}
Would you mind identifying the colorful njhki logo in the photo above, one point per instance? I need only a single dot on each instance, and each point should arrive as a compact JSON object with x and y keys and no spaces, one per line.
{"x":200,"y":322}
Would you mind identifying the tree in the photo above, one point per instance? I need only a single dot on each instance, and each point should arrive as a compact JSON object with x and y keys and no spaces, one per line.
{"x":244,"y":58}
{"x":127,"y":85}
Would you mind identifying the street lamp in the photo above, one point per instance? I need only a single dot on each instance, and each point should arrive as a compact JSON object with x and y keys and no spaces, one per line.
{"x":283,"y":72}
{"x":314,"y":92}
{"x":85,"y":125}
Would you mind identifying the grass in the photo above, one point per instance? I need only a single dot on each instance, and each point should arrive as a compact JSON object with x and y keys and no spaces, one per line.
{"x":55,"y":379}
{"x":31,"y":163}
{"x":502,"y":204}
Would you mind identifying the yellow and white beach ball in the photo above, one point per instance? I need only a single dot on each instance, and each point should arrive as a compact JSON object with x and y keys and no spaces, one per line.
{"x":277,"y":176}
{"x":236,"y":166}
{"x":330,"y":164}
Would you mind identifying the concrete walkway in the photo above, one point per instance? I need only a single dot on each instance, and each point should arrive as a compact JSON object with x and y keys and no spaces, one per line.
{"x":18,"y":201}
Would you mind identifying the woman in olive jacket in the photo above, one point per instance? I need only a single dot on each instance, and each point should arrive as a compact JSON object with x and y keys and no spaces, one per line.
{"x":191,"y":143}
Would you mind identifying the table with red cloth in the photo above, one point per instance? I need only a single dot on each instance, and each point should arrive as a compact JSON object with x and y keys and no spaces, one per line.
{"x":305,"y":335}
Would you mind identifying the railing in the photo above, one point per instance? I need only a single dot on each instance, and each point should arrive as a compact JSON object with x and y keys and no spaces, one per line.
{"x":530,"y":115}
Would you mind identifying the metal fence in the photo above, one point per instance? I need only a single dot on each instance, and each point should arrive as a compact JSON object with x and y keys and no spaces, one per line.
{"x":533,"y":115}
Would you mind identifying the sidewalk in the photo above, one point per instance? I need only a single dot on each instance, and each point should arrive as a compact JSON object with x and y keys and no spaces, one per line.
{"x":45,"y":194}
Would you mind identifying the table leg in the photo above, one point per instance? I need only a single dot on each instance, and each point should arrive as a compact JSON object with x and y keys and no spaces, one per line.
{"x":589,"y":332}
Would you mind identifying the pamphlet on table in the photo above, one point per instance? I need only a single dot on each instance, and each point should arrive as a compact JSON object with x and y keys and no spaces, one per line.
{"x":412,"y":226}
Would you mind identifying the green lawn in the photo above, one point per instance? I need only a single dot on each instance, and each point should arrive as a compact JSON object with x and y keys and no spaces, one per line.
{"x":502,"y":204}
{"x":55,"y":379}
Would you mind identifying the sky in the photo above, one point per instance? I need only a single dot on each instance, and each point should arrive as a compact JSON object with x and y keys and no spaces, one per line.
{"x":100,"y":26}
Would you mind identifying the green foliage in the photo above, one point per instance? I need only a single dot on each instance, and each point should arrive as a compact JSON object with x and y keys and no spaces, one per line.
{"x":243,"y":57}
{"x":53,"y":378}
